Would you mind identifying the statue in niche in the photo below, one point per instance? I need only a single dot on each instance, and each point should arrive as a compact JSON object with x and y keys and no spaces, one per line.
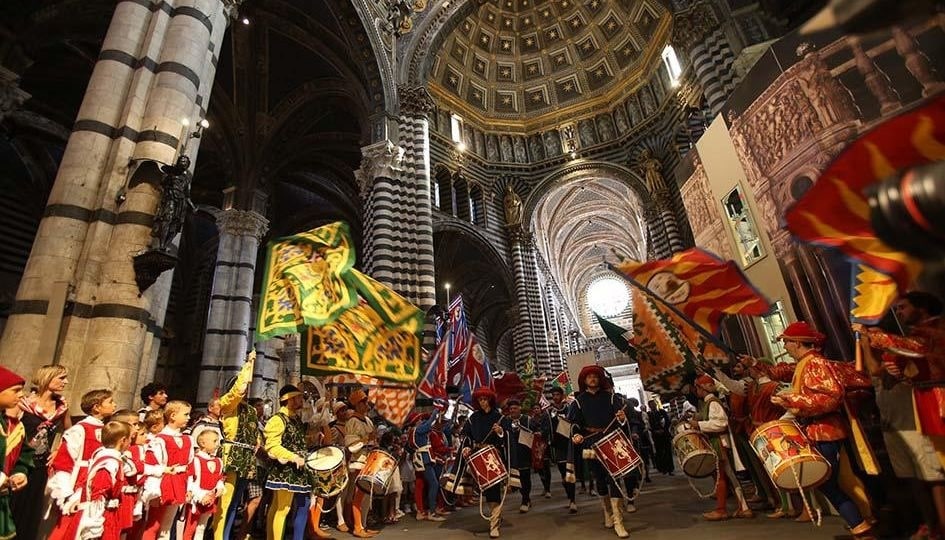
{"x":444,"y":122}
{"x":520,"y":156}
{"x":651,"y":172}
{"x":646,"y":97}
{"x":513,"y":208}
{"x":175,"y":202}
{"x":620,"y":116}
{"x":586,"y":133}
{"x":633,"y":107}
{"x":534,"y":146}
{"x":477,"y":143}
{"x":552,"y":143}
{"x":505,"y":145}
{"x":492,"y":153}
{"x":605,"y":126}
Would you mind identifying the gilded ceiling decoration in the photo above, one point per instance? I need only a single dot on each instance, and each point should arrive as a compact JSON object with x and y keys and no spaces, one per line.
{"x":522,"y":60}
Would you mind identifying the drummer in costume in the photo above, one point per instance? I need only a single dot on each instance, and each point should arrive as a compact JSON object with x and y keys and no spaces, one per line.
{"x":815,"y":399}
{"x":360,"y":438}
{"x":594,"y":411}
{"x":519,"y":454}
{"x":425,"y":465}
{"x":288,"y":479}
{"x":561,"y":445}
{"x":712,"y":420}
{"x":483,"y":429}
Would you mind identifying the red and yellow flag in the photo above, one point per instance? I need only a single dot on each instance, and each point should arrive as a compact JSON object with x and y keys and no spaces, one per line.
{"x":835,"y":211}
{"x":700,"y":285}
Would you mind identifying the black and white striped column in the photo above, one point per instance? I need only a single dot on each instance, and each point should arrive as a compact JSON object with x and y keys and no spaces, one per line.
{"x":712,"y":60}
{"x":231,"y":299}
{"x":667,"y":218}
{"x":155,"y":69}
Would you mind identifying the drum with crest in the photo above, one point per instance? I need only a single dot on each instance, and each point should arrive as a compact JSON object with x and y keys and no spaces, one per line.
{"x":329,"y":471}
{"x":487,"y":468}
{"x":789,"y":458}
{"x":378,"y":469}
{"x":694,"y":453}
{"x":616,"y":453}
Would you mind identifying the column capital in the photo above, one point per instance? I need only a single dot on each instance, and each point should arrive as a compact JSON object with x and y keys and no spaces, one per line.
{"x":415,"y":100}
{"x":522,"y":236}
{"x":242,"y":223}
{"x":381,"y":159}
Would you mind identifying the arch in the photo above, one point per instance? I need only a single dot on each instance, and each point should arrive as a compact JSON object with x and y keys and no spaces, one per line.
{"x":487,"y":247}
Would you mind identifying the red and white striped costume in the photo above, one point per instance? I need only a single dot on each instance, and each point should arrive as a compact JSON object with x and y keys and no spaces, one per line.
{"x":205,"y":478}
{"x":69,"y":470}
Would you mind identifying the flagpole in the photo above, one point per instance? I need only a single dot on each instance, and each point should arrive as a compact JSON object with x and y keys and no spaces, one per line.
{"x":705,"y":333}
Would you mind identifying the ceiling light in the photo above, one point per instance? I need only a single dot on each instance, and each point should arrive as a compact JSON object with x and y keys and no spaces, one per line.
{"x":246,"y":21}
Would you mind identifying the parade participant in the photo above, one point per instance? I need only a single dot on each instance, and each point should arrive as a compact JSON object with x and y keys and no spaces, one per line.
{"x":341,"y":413}
{"x":45,"y":415}
{"x":638,"y":435}
{"x":102,"y":492}
{"x":154,"y":396}
{"x":133,"y":469}
{"x":204,"y":484}
{"x":288,"y":479}
{"x":815,"y":399}
{"x":210,"y":420}
{"x":70,"y":464}
{"x":257,"y":484}
{"x":360,"y":438}
{"x":520,"y":455}
{"x":317,"y":434}
{"x":238,"y":423}
{"x":596,"y":410}
{"x":541,"y":450}
{"x":712,"y":419}
{"x":560,"y":444}
{"x":484,"y":428}
{"x":17,"y":458}
{"x":169,"y":453}
{"x":660,"y":427}
{"x":441,"y":450}
{"x":426,"y":468}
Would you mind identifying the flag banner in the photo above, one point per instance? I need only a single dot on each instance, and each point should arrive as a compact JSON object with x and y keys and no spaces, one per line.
{"x":391,"y":400}
{"x":668,"y":348}
{"x":303,"y":281}
{"x":617,"y":335}
{"x":476,"y":371}
{"x":433,"y":384}
{"x":835,"y":211}
{"x":700,"y":285}
{"x":873,"y":293}
{"x":460,"y":337}
{"x":563,"y":381}
{"x":361,"y":343}
{"x":507,"y":385}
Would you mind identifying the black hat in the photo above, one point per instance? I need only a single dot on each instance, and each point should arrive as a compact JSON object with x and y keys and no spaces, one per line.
{"x":288,"y":392}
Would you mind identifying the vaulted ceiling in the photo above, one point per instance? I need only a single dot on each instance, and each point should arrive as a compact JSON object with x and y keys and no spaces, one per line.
{"x":525,"y":59}
{"x":579,"y":223}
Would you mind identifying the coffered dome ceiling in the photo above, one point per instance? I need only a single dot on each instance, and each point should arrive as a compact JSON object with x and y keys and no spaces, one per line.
{"x":531,"y":61}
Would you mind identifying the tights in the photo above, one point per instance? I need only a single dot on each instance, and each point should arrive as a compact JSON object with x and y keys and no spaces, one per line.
{"x":283,"y":503}
{"x":831,"y":488}
{"x":568,"y":486}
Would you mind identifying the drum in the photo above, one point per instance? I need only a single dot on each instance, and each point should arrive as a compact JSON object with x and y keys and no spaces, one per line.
{"x":694,"y":453}
{"x":487,"y":468}
{"x":329,"y":471}
{"x":377,"y":472}
{"x":785,"y":451}
{"x":616,"y":454}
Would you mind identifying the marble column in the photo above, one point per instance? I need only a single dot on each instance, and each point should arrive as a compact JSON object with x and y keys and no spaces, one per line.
{"x":228,"y":339}
{"x":667,"y":218}
{"x":291,"y":356}
{"x":266,"y":370}
{"x":529,"y":337}
{"x":155,"y":68}
{"x":658,"y":246}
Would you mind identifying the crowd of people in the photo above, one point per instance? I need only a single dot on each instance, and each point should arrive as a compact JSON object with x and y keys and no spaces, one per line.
{"x":160,"y":472}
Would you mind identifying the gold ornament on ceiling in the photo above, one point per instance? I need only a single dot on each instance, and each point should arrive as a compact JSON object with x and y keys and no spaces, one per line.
{"x":541,"y":60}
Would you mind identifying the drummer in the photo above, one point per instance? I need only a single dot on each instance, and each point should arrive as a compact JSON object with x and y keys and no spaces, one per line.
{"x":595,"y":410}
{"x":288,"y":478}
{"x":815,"y":399}
{"x":426,"y":465}
{"x":712,"y":419}
{"x":560,"y":444}
{"x":360,"y":438}
{"x":341,"y":413}
{"x":520,"y":455}
{"x":483,"y":429}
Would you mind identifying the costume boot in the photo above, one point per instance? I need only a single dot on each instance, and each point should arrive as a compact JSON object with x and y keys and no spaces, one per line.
{"x":616,"y":506}
{"x":608,"y":516}
{"x":314,"y":518}
{"x":495,"y":518}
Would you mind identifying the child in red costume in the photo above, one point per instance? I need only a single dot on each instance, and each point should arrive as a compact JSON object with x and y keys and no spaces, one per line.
{"x":70,"y":464}
{"x":205,"y":484}
{"x":131,"y":509}
{"x":103,"y":490}
{"x":172,"y":451}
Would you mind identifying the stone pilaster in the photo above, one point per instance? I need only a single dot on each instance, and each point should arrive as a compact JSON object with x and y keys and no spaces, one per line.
{"x":266,"y":370}
{"x":227,"y":340}
{"x":291,"y":361}
{"x":529,"y":337}
{"x":155,"y":68}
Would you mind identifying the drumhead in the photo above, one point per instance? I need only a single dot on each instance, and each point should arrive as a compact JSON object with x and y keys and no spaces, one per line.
{"x":700,"y":464}
{"x":325,"y":459}
{"x":811,"y":472}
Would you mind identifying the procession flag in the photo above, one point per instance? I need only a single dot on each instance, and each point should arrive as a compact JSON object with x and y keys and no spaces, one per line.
{"x":699,"y":285}
{"x":460,"y":337}
{"x":563,"y":381}
{"x":667,"y":347}
{"x":393,"y":401}
{"x":872,"y":294}
{"x":433,"y":384}
{"x":835,"y":212}
{"x":476,"y":372}
{"x":617,"y":335}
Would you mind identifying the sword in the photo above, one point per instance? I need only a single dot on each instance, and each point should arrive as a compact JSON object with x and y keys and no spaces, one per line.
{"x":239,"y":444}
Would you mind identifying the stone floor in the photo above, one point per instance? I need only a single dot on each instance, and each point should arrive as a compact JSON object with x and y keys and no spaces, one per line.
{"x":667,"y":509}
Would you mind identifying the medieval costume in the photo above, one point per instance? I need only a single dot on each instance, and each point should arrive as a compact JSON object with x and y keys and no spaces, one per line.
{"x":561,"y":445}
{"x":17,"y":456}
{"x":483,"y":429}
{"x":288,"y":479}
{"x":520,"y":456}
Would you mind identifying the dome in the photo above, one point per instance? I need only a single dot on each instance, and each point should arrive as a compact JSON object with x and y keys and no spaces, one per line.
{"x":533,"y":62}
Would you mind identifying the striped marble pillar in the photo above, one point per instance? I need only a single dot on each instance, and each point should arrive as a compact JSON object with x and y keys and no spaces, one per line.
{"x":156,"y":67}
{"x":528,"y":338}
{"x":266,"y":370}
{"x":227,"y":340}
{"x":658,"y":245}
{"x":667,"y":219}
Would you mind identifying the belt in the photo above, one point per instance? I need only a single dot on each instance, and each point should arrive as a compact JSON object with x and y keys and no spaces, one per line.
{"x":129,"y":489}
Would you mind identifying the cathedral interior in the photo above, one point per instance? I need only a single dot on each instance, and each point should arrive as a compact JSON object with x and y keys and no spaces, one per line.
{"x":501,"y":150}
